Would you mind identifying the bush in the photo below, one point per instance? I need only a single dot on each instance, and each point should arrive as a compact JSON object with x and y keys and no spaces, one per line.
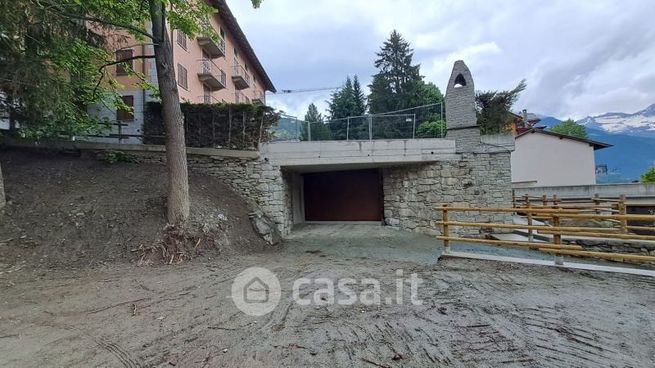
{"x":648,"y":176}
{"x":431,"y":129}
{"x":235,"y":126}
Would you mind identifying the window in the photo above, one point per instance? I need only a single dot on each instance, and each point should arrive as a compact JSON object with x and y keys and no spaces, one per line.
{"x":182,"y":77}
{"x":221,"y":32}
{"x":125,"y":115}
{"x":126,"y":67}
{"x":181,"y":39}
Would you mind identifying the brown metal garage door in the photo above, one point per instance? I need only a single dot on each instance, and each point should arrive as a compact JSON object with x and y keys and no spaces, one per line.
{"x":343,"y":196}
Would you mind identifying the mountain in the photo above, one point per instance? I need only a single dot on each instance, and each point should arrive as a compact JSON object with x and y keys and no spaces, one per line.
{"x":641,"y":123}
{"x":628,"y":157}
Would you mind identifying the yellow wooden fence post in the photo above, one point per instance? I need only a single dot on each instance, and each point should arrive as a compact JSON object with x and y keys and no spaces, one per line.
{"x":530,"y":231}
{"x":446,"y":230}
{"x":623,"y":210}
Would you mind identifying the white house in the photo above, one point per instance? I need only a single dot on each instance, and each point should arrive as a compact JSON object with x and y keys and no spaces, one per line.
{"x":543,"y":158}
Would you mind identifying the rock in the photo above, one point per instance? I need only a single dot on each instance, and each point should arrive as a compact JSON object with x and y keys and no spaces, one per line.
{"x":265,"y":227}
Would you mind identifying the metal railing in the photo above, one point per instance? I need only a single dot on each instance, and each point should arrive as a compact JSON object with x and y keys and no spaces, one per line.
{"x":259,"y":96}
{"x":240,"y":97}
{"x":421,"y":122}
{"x":208,"y":67}
{"x":240,"y":71}
{"x":208,"y":99}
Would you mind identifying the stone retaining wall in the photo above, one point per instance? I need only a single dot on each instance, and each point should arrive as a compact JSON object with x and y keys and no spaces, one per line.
{"x":256,"y":180}
{"x":474,"y":180}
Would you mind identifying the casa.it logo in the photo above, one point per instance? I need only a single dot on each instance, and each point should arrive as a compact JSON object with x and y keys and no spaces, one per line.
{"x":256,"y":291}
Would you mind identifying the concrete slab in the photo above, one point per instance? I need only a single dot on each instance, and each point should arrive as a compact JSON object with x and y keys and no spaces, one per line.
{"x":540,"y":262}
{"x":370,"y":241}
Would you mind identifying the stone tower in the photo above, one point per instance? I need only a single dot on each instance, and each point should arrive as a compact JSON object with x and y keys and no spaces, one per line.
{"x":460,"y":108}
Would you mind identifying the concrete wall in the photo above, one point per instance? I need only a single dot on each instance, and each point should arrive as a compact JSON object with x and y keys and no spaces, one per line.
{"x":551,"y":161}
{"x":340,"y":153}
{"x":635,"y":193}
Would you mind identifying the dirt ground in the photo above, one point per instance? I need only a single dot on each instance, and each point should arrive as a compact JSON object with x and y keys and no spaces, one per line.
{"x":67,"y":211}
{"x":98,"y":308}
{"x":474,"y":313}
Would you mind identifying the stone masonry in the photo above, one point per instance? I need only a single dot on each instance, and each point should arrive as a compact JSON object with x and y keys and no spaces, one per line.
{"x":413,"y":195}
{"x":260,"y":183}
{"x":479,"y":176}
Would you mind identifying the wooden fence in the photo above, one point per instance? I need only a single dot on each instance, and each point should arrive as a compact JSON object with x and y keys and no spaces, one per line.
{"x":556,"y":230}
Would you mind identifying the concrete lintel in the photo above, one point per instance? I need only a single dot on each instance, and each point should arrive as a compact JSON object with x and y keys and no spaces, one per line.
{"x":358,"y":152}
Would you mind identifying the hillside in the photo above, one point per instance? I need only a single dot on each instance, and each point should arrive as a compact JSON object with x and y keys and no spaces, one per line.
{"x":629,"y":157}
{"x":68,"y":211}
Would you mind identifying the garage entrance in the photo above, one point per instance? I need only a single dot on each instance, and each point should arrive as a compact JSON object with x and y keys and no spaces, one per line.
{"x":354,"y":195}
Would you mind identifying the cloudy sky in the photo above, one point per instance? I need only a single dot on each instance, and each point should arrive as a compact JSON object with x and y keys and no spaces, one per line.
{"x":579,"y":57}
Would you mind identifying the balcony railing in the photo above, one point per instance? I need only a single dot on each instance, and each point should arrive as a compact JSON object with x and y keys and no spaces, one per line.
{"x":240,"y":77}
{"x":208,"y":99}
{"x":240,"y":97}
{"x":259,"y":97}
{"x":214,"y":49}
{"x":211,"y":75}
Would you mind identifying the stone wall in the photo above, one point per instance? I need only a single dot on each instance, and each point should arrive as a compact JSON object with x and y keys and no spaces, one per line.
{"x":261,"y":184}
{"x":411,"y":193}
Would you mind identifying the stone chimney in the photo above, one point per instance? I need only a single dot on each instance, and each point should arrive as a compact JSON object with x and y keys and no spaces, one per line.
{"x":461,"y":119}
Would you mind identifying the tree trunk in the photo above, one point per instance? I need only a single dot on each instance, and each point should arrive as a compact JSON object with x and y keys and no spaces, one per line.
{"x":178,"y":176}
{"x":3,"y":201}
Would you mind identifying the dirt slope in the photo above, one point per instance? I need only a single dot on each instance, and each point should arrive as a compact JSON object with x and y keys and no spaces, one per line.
{"x":68,"y":211}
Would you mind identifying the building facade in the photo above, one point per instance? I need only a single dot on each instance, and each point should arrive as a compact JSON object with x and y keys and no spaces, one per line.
{"x":207,"y":70}
{"x":543,"y":158}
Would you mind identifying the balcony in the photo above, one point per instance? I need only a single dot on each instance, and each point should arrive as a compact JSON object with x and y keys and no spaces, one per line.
{"x":214,"y":49}
{"x":240,"y":97}
{"x":208,"y":99}
{"x":240,"y":77}
{"x":259,"y":98}
{"x":211,"y":75}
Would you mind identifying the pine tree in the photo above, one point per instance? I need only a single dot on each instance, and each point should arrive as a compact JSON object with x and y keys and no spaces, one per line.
{"x":312,"y":115}
{"x":398,"y":83}
{"x":359,"y":98}
{"x":315,"y":125}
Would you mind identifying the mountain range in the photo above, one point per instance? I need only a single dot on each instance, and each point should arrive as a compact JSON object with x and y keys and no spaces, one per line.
{"x":641,"y":123}
{"x":632,"y":137}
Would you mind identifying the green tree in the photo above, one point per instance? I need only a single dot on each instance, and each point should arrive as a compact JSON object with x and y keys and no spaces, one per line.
{"x":493,"y":109}
{"x":312,"y":115}
{"x":648,"y":176}
{"x":398,"y":84}
{"x":132,"y":16}
{"x":571,"y":128}
{"x":347,"y":102}
{"x":49,"y":68}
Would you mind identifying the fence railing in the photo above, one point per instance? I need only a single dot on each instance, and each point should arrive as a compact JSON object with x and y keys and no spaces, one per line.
{"x":553,"y":227}
{"x":419,"y":122}
{"x":595,"y":204}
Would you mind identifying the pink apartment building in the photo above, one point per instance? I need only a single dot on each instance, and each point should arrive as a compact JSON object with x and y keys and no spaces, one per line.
{"x":207,"y":71}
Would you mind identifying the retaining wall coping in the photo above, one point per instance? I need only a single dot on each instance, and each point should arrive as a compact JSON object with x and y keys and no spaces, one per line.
{"x":61,"y":144}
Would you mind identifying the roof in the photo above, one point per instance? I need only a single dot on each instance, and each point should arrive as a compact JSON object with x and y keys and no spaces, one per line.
{"x":597,"y":145}
{"x":233,"y":26}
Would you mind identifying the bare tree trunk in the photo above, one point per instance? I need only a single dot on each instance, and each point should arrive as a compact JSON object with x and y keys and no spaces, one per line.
{"x":3,"y":200}
{"x":178,"y":176}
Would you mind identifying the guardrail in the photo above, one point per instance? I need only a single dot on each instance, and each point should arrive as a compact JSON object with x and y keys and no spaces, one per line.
{"x":554,"y":216}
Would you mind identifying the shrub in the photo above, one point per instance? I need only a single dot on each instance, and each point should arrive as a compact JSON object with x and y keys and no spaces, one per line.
{"x":431,"y":129}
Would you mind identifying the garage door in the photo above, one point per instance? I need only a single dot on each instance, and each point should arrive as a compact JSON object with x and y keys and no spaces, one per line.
{"x":343,"y":196}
